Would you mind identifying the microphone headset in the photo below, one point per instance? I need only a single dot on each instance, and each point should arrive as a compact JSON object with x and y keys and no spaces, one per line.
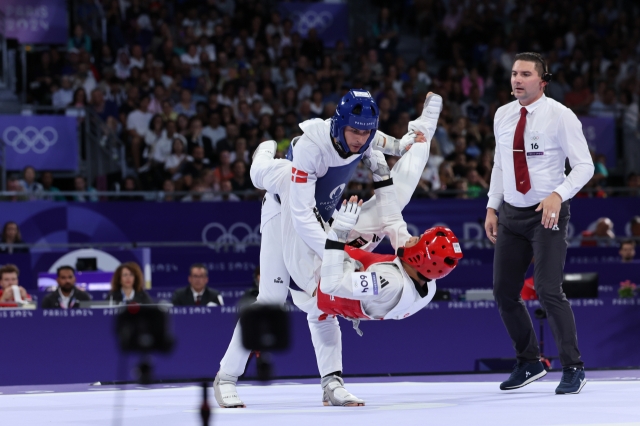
{"x":546,"y":76}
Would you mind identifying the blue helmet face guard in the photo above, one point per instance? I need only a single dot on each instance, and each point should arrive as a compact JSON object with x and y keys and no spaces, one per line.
{"x":357,"y":109}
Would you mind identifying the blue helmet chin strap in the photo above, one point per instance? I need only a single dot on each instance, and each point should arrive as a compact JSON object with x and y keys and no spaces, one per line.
{"x":359,"y":110}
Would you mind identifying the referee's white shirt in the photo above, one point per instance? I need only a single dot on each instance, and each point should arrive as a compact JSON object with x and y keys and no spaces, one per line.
{"x":552,"y":134}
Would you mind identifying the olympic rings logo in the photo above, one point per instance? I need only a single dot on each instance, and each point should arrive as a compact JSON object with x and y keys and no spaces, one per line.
{"x":311,"y":19}
{"x":30,"y":139}
{"x":239,"y":236}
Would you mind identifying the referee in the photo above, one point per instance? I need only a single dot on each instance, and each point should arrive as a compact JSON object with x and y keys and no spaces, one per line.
{"x":534,"y":135}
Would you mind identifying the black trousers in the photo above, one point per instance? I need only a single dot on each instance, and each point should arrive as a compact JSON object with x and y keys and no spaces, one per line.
{"x":521,"y":237}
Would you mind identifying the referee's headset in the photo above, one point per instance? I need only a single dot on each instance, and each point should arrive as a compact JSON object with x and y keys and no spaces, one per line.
{"x":546,"y":76}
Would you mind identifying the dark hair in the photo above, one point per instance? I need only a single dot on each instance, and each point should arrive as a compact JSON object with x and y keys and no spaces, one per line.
{"x":198,"y":265}
{"x":154,"y":119}
{"x":635,"y":220}
{"x":138,"y":283}
{"x":65,"y":267}
{"x":631,"y":242}
{"x":9,"y":268}
{"x":540,"y":64}
{"x":4,"y":232}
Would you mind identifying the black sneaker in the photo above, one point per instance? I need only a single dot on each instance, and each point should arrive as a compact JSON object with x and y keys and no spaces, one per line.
{"x":523,"y":374}
{"x":573,"y":381}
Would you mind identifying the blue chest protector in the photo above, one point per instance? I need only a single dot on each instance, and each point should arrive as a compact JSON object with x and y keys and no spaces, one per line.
{"x":329,"y":188}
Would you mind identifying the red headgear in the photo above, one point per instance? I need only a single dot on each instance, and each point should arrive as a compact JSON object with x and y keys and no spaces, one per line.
{"x":435,"y":255}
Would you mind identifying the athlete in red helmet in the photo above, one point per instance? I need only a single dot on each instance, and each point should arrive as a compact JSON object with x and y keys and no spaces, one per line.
{"x":357,"y":284}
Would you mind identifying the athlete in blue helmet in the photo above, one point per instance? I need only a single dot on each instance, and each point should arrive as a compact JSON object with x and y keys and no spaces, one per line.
{"x":323,"y":159}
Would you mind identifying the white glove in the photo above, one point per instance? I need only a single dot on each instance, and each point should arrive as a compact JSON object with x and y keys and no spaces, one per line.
{"x":345,"y":220}
{"x":378,"y":166}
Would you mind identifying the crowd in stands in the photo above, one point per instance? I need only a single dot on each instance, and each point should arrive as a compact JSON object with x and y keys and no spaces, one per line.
{"x":193,"y":87}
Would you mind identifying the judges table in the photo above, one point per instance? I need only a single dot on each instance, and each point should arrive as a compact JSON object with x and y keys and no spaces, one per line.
{"x":79,"y":346}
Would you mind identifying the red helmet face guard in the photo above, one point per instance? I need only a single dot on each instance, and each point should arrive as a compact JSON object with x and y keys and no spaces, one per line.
{"x":435,"y":255}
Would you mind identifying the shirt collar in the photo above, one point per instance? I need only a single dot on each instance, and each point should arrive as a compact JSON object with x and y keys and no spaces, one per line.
{"x":531,"y":108}
{"x":66,"y":297}
{"x":196,"y":294}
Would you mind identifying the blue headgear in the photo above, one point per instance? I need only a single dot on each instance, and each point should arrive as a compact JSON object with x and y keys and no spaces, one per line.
{"x":358,"y":110}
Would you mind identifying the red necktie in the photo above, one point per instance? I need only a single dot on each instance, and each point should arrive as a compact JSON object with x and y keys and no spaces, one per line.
{"x":523,"y":184}
{"x":198,"y":300}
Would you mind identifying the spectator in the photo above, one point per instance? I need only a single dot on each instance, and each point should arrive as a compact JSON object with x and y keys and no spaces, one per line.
{"x":251,"y":294}
{"x":194,"y":167}
{"x":627,"y":251}
{"x":602,"y":234}
{"x":86,"y":193}
{"x":137,"y":126}
{"x":106,"y":109}
{"x":11,"y":235}
{"x":633,"y":183}
{"x":474,"y":109}
{"x":29,"y":184}
{"x":607,"y":107}
{"x":241,"y":152}
{"x":196,"y":137}
{"x":580,"y":97}
{"x":197,"y":293}
{"x":214,"y":130}
{"x":127,"y":285}
{"x":178,"y":156}
{"x":226,"y":194}
{"x":67,"y":295}
{"x":10,"y":289}
{"x":168,"y":191}
{"x":186,"y":106}
{"x":79,"y":40}
{"x":385,"y":31}
{"x":63,"y":95}
{"x":47,"y":186}
{"x":157,"y":143}
{"x":130,"y":184}
{"x":240,"y":181}
{"x":224,"y":171}
{"x":476,"y":185}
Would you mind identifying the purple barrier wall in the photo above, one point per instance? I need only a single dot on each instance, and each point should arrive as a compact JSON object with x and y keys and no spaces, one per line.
{"x":445,"y":337}
{"x":238,"y":224}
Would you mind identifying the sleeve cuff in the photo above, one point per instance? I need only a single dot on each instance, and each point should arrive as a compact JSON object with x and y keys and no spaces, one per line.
{"x":333,"y":245}
{"x":383,"y":183}
{"x":494,"y":203}
{"x":562,"y":192}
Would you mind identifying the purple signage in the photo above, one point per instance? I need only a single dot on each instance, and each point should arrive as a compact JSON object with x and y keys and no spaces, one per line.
{"x":331,"y":21}
{"x":600,"y":133}
{"x":36,"y":21}
{"x":44,"y":142}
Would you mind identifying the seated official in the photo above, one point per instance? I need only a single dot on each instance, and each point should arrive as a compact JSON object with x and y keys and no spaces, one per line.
{"x":127,"y":285}
{"x":197,"y":293}
{"x":66,"y":296}
{"x":10,"y":290}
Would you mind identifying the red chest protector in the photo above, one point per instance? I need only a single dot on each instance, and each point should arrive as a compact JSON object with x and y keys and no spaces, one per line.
{"x":350,"y":308}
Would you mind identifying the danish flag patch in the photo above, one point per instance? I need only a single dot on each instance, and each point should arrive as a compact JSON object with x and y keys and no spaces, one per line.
{"x":298,"y":176}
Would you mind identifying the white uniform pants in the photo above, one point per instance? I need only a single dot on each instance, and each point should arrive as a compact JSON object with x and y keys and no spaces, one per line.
{"x":325,"y":335}
{"x":274,"y":287}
